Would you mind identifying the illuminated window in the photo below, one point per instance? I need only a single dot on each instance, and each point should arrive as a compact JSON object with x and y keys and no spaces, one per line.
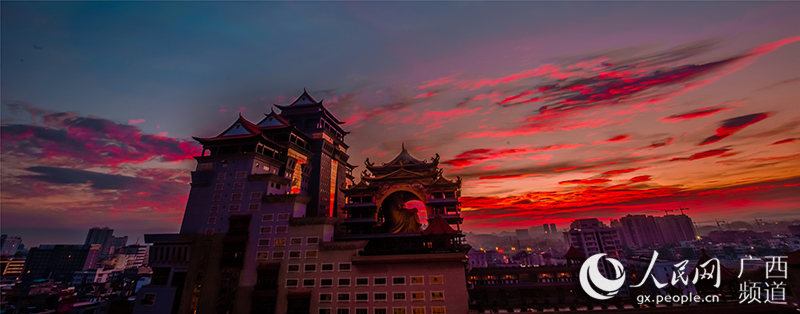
{"x":398,"y":296}
{"x":437,"y":280}
{"x":437,"y":295}
{"x":417,"y":280}
{"x":417,"y":310}
{"x":311,"y":254}
{"x":262,"y":255}
{"x":399,"y":310}
{"x":437,"y":310}
{"x":418,"y":296}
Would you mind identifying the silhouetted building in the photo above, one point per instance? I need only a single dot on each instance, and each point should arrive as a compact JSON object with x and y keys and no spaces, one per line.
{"x":522,"y":234}
{"x":10,"y":245}
{"x":102,"y":236}
{"x":676,"y":228}
{"x":59,"y":262}
{"x":641,"y":230}
{"x":734,"y":236}
{"x":546,"y":228}
{"x":118,"y":242}
{"x":258,"y":236}
{"x":553,"y":228}
{"x":590,"y":237}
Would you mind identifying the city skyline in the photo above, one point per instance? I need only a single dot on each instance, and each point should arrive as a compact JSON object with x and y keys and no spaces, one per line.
{"x":550,"y":112}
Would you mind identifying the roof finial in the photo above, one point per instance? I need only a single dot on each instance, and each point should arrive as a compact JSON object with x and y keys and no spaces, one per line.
{"x":403,"y":145}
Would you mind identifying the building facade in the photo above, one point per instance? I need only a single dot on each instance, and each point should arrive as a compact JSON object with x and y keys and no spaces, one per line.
{"x":272,"y":227}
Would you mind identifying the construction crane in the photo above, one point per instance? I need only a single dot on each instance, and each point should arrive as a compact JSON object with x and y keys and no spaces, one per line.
{"x":723,"y":222}
{"x":668,"y":210}
{"x":681,"y":208}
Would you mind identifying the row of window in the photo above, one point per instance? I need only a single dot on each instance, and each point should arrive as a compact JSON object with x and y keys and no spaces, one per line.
{"x":236,"y":207}
{"x":359,"y":282}
{"x":376,"y":296}
{"x":383,"y":310}
{"x":292,"y":254}
{"x":282,"y":241}
{"x":239,"y":175}
{"x":278,"y":229}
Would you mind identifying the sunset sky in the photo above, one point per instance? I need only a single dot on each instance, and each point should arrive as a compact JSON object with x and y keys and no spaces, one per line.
{"x":549,"y":111}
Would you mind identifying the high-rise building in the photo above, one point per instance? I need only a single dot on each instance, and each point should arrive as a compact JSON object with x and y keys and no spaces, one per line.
{"x":590,"y":236}
{"x":118,"y":242}
{"x":60,"y":262}
{"x":102,"y":236}
{"x":522,"y":234}
{"x":641,"y":230}
{"x":546,"y":228}
{"x":553,"y":228}
{"x":258,"y":234}
{"x":676,"y":228}
{"x":10,"y":245}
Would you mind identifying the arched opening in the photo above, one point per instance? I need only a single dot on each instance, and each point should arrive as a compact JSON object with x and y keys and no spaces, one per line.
{"x":400,"y":213}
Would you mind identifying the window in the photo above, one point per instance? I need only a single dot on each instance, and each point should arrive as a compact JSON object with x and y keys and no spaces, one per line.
{"x":311,"y":254}
{"x":363,"y":297}
{"x":255,"y":195}
{"x":343,"y":311}
{"x":294,"y":254}
{"x":398,"y":296}
{"x":325,"y":297}
{"x":344,"y":282}
{"x":437,"y":280}
{"x":417,"y":296}
{"x":437,"y":310}
{"x":219,"y":187}
{"x":241,"y":174}
{"x":293,"y":268}
{"x":266,"y":217}
{"x":281,"y":229}
{"x":362,"y":281}
{"x":209,"y":231}
{"x":267,"y":230}
{"x":238,"y":185}
{"x":283,"y":216}
{"x":361,"y":310}
{"x":327,"y":267}
{"x":212,"y":220}
{"x":399,"y":310}
{"x":263,"y":242}
{"x":380,"y":296}
{"x":291,"y":282}
{"x":234,"y":208}
{"x":217,"y":197}
{"x":327,"y":282}
{"x":437,"y":295}
{"x":310,"y":268}
{"x":254,"y":207}
{"x":417,"y":310}
{"x":417,"y":280}
{"x":277,"y":255}
{"x":396,"y":281}
{"x":309,"y":282}
{"x":344,"y":266}
{"x":221,"y":176}
{"x":380,"y":281}
{"x":149,"y":299}
{"x":343,"y":297}
{"x":312,"y":240}
{"x":379,"y":311}
{"x":214,"y":209}
{"x":296,"y":241}
{"x":280,"y":241}
{"x":236,"y":197}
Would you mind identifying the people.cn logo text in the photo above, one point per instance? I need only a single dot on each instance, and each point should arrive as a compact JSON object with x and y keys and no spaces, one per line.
{"x":595,"y":283}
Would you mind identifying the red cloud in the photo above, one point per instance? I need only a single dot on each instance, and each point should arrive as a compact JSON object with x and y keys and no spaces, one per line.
{"x":620,"y":171}
{"x":476,"y":156}
{"x":788,"y":140}
{"x":585,"y":181}
{"x":618,"y":138}
{"x":705,"y":154}
{"x":731,"y":126}
{"x":640,"y":179}
{"x":699,"y":113}
{"x":135,"y":121}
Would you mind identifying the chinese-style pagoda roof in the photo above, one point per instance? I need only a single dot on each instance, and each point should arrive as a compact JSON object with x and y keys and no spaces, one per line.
{"x":438,"y":226}
{"x":574,"y":253}
{"x":399,"y":174}
{"x":273,"y":120}
{"x":241,"y":128}
{"x":404,"y":159}
{"x":307,"y":104}
{"x":304,"y":99}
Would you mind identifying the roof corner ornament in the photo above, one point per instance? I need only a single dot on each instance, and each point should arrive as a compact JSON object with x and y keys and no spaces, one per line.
{"x":369,"y":164}
{"x":435,"y":159}
{"x":459,"y":179}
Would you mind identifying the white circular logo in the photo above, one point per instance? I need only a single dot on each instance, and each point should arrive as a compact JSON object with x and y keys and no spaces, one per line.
{"x":590,"y":276}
